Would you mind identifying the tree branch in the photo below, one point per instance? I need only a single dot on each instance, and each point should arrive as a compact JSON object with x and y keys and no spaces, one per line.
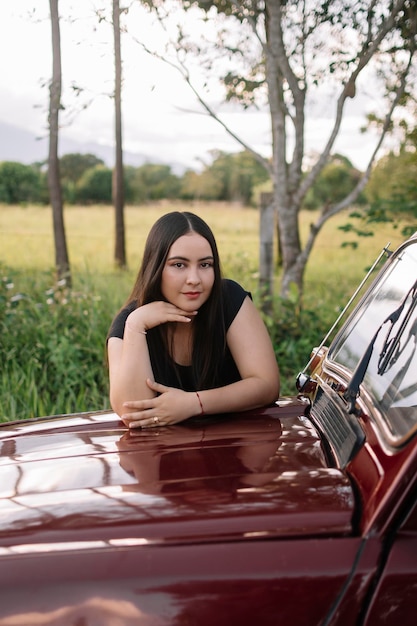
{"x":180,"y":67}
{"x":368,"y":50}
{"x":350,"y":199}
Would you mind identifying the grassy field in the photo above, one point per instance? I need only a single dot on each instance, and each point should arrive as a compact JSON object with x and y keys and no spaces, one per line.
{"x":26,"y":241}
{"x":51,"y":345}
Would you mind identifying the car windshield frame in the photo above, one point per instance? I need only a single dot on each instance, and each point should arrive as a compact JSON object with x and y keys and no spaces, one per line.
{"x":378,"y":346}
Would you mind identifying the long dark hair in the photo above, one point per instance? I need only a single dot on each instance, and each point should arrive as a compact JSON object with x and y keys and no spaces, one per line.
{"x":209,"y":340}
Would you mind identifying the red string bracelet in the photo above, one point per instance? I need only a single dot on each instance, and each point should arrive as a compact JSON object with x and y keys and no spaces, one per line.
{"x":201,"y":404}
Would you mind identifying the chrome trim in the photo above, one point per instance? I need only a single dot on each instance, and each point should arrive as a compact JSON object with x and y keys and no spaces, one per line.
{"x":341,"y":375}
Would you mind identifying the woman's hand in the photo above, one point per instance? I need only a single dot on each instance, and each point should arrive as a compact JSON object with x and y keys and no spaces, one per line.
{"x":170,"y":407}
{"x":155,"y":313}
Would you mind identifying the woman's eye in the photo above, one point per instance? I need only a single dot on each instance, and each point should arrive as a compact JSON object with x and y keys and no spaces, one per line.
{"x":206,"y":265}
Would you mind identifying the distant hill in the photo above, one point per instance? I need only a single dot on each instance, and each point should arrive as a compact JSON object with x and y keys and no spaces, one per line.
{"x":17,"y":144}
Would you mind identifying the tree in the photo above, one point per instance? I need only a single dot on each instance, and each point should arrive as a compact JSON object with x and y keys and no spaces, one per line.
{"x":21,"y":183}
{"x":391,"y":191}
{"x":336,"y":180}
{"x":154,"y":181}
{"x":95,"y":185}
{"x":62,"y":263}
{"x":395,"y":177}
{"x":282,"y":52}
{"x":238,"y":173}
{"x":72,"y":167}
{"x":201,"y":185}
{"x":118,"y":188}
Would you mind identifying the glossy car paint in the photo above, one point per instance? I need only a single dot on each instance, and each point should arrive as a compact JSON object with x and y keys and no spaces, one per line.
{"x":395,"y":593}
{"x":384,"y":477}
{"x":201,"y":471}
{"x":226,"y":513}
{"x":88,"y":537}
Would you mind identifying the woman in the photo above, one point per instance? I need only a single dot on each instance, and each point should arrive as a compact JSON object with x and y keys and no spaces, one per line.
{"x":188,"y":342}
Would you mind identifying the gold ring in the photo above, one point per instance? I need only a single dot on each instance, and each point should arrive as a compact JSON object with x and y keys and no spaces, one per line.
{"x":156,"y":420}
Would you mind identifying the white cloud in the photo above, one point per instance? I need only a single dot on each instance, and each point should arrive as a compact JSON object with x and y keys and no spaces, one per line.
{"x":160,"y":114}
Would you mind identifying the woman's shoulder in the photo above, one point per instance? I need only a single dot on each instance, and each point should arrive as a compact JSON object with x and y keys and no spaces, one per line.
{"x":232,"y":289}
{"x":117,"y":327}
{"x":233,"y":297}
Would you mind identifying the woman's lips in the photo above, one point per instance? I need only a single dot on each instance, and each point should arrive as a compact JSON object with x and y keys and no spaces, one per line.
{"x":192,"y":295}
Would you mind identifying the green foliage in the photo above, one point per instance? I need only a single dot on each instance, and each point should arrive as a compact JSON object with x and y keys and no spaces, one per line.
{"x":392,"y":195}
{"x":21,"y":183}
{"x":72,"y":167}
{"x":52,"y":348}
{"x":394,"y":179}
{"x":95,"y":185}
{"x":337,"y":179}
{"x":243,"y":89}
{"x":230,"y":178}
{"x":153,"y":181}
{"x":295,"y":331}
{"x":200,"y":186}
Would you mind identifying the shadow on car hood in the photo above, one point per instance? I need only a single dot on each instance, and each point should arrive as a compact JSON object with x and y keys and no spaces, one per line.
{"x":86,"y":478}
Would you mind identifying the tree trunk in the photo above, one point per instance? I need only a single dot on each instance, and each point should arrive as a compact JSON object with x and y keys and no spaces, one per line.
{"x":118,"y":183}
{"x":266,"y":252}
{"x":286,"y":175}
{"x":54,"y":183}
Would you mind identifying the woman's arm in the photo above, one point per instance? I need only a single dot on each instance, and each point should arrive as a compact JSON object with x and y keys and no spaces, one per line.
{"x":251,"y":348}
{"x":129,"y":360}
{"x":129,"y":367}
{"x":252,"y":351}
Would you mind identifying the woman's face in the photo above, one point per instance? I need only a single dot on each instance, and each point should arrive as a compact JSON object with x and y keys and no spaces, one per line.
{"x":188,"y":275}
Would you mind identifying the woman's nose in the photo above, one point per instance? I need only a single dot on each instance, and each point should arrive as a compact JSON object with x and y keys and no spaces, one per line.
{"x":193,"y":276}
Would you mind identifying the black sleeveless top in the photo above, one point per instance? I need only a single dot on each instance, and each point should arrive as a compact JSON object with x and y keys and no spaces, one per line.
{"x":181,"y":376}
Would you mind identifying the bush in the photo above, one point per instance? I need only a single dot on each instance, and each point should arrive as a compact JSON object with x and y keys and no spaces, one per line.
{"x":95,"y":186}
{"x":294,"y":333}
{"x":52,"y":350}
{"x":20,"y":184}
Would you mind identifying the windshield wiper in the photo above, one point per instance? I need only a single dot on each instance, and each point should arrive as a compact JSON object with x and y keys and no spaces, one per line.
{"x":386,"y":358}
{"x":352,"y":390}
{"x":392,"y":392}
{"x":391,"y":348}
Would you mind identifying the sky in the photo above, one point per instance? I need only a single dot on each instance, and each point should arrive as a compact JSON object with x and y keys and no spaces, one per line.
{"x":161,"y":116}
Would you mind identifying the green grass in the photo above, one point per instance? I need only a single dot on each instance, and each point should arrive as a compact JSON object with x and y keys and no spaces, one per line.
{"x":52,"y":340}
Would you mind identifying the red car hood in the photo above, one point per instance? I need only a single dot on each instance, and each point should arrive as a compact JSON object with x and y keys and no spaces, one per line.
{"x":85,"y":478}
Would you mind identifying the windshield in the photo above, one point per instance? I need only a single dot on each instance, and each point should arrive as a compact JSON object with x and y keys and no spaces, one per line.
{"x":380,"y":339}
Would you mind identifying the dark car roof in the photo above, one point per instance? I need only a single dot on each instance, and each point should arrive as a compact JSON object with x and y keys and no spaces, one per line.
{"x":85,"y":477}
